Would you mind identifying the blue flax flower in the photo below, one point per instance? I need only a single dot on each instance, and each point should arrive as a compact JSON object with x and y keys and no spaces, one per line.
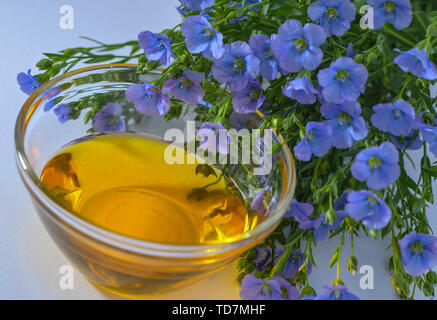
{"x":201,"y":37}
{"x":302,"y":90}
{"x":366,"y":206}
{"x":148,"y":99}
{"x":253,"y":288}
{"x":237,"y":65}
{"x":213,"y":137}
{"x":288,"y":291}
{"x":341,"y":201}
{"x":350,"y":53}
{"x":336,"y":293}
{"x":197,"y":5}
{"x":28,"y":83}
{"x":294,"y":262}
{"x":187,"y":88}
{"x":398,"y":118}
{"x":418,"y":253}
{"x":157,"y":47}
{"x":378,"y":166}
{"x":321,"y":227}
{"x":343,"y":81}
{"x":62,"y":111}
{"x":263,"y":256}
{"x":335,"y":16}
{"x":109,"y":119}
{"x":405,"y":141}
{"x":397,"y":11}
{"x":297,"y":47}
{"x":249,"y":99}
{"x":317,"y":141}
{"x":262,"y":48}
{"x":257,"y":203}
{"x":429,"y":134}
{"x":299,"y":211}
{"x":346,"y":123}
{"x":417,"y":62}
{"x":51,"y":93}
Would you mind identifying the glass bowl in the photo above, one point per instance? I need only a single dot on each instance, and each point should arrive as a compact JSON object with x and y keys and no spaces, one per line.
{"x":116,"y":263}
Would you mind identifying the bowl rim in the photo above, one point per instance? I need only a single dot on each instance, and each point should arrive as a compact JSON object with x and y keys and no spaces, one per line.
{"x":108,"y":238}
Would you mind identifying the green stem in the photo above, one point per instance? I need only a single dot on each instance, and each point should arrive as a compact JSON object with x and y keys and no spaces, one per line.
{"x":399,"y":37}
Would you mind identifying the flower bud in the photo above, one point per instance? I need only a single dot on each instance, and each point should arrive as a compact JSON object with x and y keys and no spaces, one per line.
{"x":400,"y":285}
{"x":44,"y":64}
{"x":372,"y":56}
{"x":308,"y":291}
{"x":374,"y":233}
{"x":331,"y":216}
{"x":43,"y":77}
{"x":337,"y":282}
{"x":431,"y":276}
{"x":428,"y":289}
{"x":324,"y":168}
{"x":276,"y":122}
{"x":428,"y":117}
{"x":359,"y":58}
{"x":206,"y":170}
{"x":287,"y":123}
{"x":352,"y":264}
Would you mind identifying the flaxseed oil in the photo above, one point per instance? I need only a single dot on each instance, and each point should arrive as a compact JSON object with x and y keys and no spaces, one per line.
{"x":122,"y":183}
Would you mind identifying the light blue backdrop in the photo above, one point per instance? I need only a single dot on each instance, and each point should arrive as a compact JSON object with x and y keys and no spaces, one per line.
{"x":29,"y":261}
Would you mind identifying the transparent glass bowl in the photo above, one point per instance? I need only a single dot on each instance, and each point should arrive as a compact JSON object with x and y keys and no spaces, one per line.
{"x":119,"y":264}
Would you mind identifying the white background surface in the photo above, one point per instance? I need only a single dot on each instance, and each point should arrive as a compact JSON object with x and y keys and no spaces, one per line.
{"x":29,"y":260}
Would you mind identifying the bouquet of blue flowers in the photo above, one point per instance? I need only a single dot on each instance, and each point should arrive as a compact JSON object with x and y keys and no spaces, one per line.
{"x":347,"y":85}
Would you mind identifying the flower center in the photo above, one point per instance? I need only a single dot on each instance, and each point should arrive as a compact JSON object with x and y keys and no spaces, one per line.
{"x":337,"y":293}
{"x":159,"y":44}
{"x":255,"y":94}
{"x":403,"y":139}
{"x":389,"y":6}
{"x":397,"y":114}
{"x":342,"y":75}
{"x":262,"y":256}
{"x":239,"y":65}
{"x":374,"y":162}
{"x":331,"y":14}
{"x":268,"y":54}
{"x":300,"y":44}
{"x":112,"y":121}
{"x":344,"y":118}
{"x":371,"y":201}
{"x":207,"y":33}
{"x":416,"y":248}
{"x":294,"y":259}
{"x":155,"y":90}
{"x":310,"y":136}
{"x":284,"y":292}
{"x":265,"y":289}
{"x":185,"y":83}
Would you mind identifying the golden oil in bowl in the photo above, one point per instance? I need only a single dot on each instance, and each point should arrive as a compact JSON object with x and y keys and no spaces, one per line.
{"x":122,"y":183}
